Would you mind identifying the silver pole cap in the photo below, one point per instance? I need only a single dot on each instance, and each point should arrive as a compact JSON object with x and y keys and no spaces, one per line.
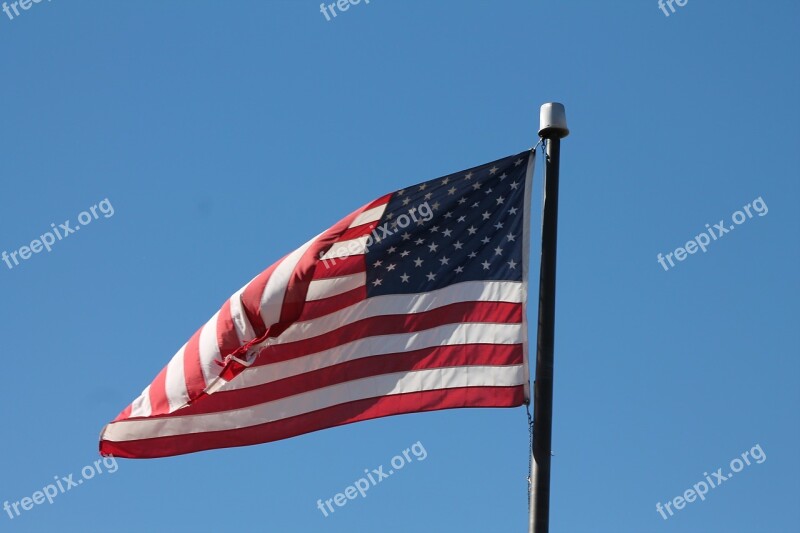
{"x":553,"y":121}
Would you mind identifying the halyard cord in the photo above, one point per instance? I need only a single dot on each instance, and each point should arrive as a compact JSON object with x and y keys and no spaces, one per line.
{"x":530,"y":454}
{"x":541,"y":141}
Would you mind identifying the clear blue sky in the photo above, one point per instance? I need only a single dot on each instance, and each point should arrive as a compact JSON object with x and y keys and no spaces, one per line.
{"x":225,"y":134}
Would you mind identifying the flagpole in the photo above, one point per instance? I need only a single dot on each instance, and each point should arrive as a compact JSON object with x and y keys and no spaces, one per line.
{"x":552,"y":128}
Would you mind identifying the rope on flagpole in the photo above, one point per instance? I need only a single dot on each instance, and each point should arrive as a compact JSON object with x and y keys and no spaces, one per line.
{"x":530,"y":455}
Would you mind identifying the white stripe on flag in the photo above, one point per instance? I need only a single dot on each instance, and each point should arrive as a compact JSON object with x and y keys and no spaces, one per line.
{"x":325,"y":288}
{"x":347,"y":248}
{"x":244,"y":330}
{"x":175,"y":382}
{"x":370,"y":215}
{"x":141,"y":405}
{"x":208,"y":347}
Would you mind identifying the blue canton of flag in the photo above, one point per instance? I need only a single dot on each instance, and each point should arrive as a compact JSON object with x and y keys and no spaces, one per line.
{"x":466,"y":226}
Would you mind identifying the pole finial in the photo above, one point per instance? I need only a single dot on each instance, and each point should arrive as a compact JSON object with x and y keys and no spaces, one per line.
{"x":553,"y":121}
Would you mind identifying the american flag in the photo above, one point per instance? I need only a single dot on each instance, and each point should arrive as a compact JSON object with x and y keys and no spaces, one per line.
{"x":414,"y":302}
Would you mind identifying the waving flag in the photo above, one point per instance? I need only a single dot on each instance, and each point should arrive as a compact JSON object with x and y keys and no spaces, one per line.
{"x":415,"y":302}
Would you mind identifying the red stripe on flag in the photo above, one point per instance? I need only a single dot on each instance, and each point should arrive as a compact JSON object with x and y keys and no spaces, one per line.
{"x":318,"y":308}
{"x":337,"y":415}
{"x":343,"y":266}
{"x":159,"y":404}
{"x":227,"y":337}
{"x":356,"y":232}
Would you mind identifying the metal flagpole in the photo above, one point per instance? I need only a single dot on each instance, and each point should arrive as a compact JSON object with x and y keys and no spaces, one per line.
{"x":552,"y":128}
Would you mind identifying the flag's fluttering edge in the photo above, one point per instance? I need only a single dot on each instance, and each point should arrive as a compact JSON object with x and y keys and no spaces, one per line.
{"x":415,"y":302}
